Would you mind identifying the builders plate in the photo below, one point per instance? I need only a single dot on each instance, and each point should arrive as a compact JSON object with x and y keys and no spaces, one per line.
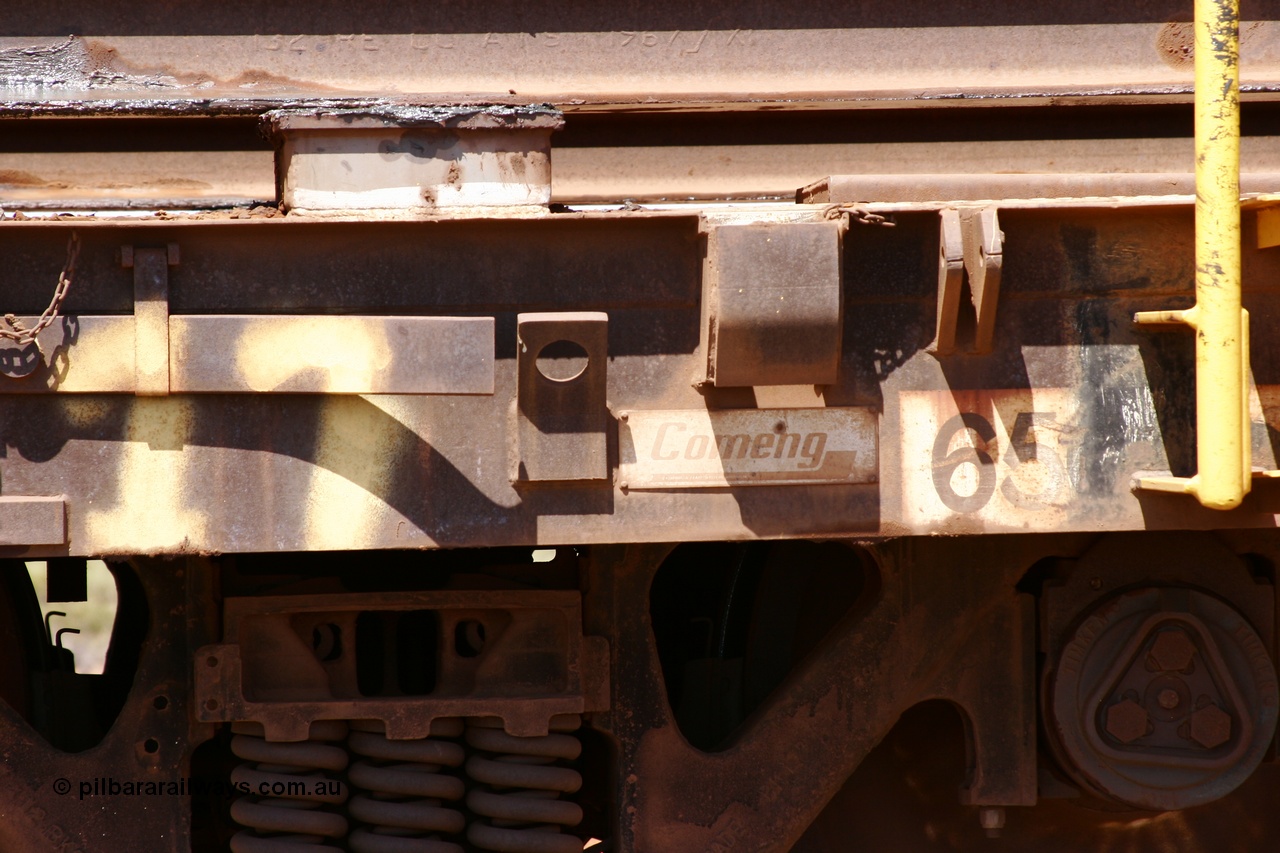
{"x":679,"y":449}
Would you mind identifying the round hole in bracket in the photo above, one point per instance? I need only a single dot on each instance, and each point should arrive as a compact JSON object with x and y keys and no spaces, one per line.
{"x":562,"y":361}
{"x":211,"y":704}
{"x":326,"y":640}
{"x":211,"y":661}
{"x":160,"y":703}
{"x":468,"y":638}
{"x":151,"y":745}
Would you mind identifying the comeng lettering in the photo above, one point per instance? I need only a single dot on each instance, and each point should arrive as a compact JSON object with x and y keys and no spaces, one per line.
{"x":743,"y":447}
{"x":675,"y":441}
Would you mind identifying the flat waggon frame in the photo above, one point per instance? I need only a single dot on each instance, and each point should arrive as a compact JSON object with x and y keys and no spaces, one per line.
{"x":1049,"y":429}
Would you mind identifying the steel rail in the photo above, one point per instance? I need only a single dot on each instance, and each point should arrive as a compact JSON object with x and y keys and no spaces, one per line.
{"x":627,"y":61}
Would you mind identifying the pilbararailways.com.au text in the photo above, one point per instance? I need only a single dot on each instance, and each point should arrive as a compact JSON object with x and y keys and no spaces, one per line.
{"x":108,"y":786}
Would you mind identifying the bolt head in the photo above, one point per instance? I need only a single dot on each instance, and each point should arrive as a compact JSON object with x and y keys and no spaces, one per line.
{"x":1168,"y":699}
{"x":1173,"y":650}
{"x":1126,"y":721}
{"x":1210,"y":726}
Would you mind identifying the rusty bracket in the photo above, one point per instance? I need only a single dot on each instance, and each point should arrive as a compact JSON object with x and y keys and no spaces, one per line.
{"x":833,"y":708}
{"x":289,"y":661}
{"x":187,"y":354}
{"x":1268,"y":224}
{"x":289,"y":354}
{"x":33,"y":520}
{"x":561,"y":411}
{"x":970,"y":241}
{"x":413,"y":157}
{"x":772,"y":304}
{"x":150,"y":315}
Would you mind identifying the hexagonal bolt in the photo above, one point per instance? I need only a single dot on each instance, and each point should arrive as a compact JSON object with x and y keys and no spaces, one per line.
{"x":1126,"y":721}
{"x":1173,"y":650}
{"x":1210,"y":726}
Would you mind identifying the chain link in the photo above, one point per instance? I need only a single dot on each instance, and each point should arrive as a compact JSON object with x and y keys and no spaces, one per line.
{"x":17,"y":331}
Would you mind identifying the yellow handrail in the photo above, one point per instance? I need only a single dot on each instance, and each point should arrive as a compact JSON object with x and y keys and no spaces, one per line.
{"x":1223,"y":460}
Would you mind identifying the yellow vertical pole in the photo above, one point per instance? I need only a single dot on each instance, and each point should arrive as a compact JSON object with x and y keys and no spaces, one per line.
{"x":1221,"y":394}
{"x":1222,"y":418}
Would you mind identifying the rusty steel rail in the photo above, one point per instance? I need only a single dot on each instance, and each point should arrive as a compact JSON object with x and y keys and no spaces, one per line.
{"x":885,"y":155}
{"x":664,"y":57}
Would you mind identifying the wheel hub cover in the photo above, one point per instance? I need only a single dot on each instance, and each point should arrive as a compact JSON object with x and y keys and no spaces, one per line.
{"x":1164,"y":698}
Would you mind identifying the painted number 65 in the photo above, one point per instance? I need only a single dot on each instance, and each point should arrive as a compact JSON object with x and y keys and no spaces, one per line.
{"x":982,"y":455}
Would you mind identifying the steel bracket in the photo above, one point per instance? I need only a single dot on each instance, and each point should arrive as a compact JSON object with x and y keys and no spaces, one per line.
{"x":772,"y":300}
{"x":33,"y":520}
{"x":1268,"y":225}
{"x":561,"y":412}
{"x":150,"y":315}
{"x":153,"y":353}
{"x":970,"y":241}
{"x":416,"y":157}
{"x":288,"y":661}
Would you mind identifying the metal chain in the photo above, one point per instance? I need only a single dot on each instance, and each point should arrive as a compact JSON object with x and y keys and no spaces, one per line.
{"x":17,"y":331}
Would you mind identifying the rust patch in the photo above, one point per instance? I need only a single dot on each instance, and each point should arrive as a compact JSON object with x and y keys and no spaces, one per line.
{"x":105,"y":67}
{"x":18,"y":178}
{"x":253,"y":78}
{"x":112,"y":68}
{"x":1176,"y":44}
{"x":103,"y":57}
{"x":516,"y":164}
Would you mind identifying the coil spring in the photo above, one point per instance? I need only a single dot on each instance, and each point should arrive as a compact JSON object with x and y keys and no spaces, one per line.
{"x":288,"y":790}
{"x":519,"y":804}
{"x":405,"y":790}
